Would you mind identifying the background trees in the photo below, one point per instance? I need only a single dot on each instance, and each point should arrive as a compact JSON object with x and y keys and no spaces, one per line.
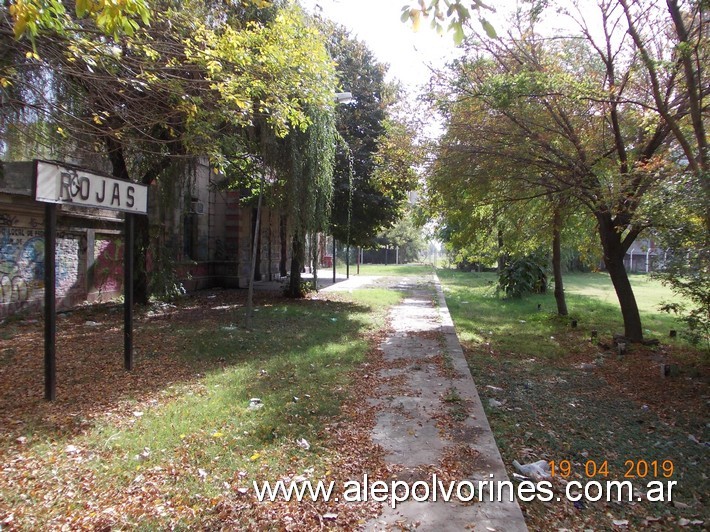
{"x":375,"y":164}
{"x":570,"y":118}
{"x":202,"y":79}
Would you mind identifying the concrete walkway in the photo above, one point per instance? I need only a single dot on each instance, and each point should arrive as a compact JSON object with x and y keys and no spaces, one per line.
{"x":423,"y":356}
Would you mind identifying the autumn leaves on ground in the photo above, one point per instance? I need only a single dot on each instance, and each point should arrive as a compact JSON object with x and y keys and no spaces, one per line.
{"x":176,"y":443}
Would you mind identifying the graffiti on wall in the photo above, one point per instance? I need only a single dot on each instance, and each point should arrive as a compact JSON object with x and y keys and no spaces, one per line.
{"x":67,"y":262}
{"x":108,"y":266}
{"x":22,"y":263}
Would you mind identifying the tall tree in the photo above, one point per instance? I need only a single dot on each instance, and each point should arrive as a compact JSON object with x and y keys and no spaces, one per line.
{"x":578,"y":114}
{"x":370,"y":188}
{"x":679,"y":51}
{"x":310,"y":161}
{"x":673,"y":43}
{"x":172,"y":90}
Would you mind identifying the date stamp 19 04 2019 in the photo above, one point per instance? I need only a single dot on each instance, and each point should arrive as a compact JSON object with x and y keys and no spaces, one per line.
{"x":632,"y":469}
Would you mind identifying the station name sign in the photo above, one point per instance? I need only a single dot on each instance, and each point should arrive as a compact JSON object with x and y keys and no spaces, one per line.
{"x":69,"y":186}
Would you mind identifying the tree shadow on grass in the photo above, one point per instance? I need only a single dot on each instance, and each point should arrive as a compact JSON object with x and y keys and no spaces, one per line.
{"x":175,"y":346}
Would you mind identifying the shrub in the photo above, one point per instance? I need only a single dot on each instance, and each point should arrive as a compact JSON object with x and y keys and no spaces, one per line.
{"x":526,"y":275}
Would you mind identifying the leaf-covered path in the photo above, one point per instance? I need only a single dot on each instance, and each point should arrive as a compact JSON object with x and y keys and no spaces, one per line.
{"x":429,"y":421}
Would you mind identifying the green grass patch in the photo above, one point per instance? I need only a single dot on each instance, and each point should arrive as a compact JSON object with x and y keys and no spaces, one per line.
{"x":297,"y":360}
{"x":395,"y":270}
{"x":531,"y":325}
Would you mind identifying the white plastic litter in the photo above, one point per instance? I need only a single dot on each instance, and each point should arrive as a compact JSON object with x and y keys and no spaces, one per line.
{"x":255,"y":403}
{"x":536,"y":470}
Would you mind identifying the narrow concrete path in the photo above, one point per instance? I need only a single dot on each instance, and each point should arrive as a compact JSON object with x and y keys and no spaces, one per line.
{"x":424,"y":359}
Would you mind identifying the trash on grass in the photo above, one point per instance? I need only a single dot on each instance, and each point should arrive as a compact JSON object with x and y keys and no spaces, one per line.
{"x":255,"y":403}
{"x":535,"y":470}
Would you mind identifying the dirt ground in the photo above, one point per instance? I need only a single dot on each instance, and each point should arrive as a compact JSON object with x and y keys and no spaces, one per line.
{"x":613,"y":418}
{"x":91,"y":380}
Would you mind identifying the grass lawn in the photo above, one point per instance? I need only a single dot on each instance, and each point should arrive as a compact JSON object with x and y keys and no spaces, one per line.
{"x":591,"y":301}
{"x":560,"y":396}
{"x":395,"y":270}
{"x":175,"y":442}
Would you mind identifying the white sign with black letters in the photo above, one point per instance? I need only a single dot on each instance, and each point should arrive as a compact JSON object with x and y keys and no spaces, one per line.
{"x":69,"y":186}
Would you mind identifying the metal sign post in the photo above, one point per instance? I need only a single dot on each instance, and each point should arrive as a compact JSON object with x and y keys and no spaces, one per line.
{"x":59,"y":184}
{"x":128,"y":294}
{"x":50,"y":311}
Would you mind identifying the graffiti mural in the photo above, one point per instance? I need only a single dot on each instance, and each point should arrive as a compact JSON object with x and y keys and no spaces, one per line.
{"x":67,"y":263}
{"x":22,"y":264}
{"x":108,"y":266}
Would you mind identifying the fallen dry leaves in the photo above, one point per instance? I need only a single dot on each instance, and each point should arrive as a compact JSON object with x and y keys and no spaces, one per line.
{"x":592,"y":404}
{"x":70,"y":482}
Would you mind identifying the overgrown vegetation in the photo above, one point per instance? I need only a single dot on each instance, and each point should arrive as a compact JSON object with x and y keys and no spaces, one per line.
{"x":523,"y":276}
{"x":598,"y":122}
{"x":689,"y":277}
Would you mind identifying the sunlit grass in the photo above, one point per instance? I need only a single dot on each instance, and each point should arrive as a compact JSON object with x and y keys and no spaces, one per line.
{"x":387,"y":269}
{"x":297,"y":360}
{"x":484,"y":316}
{"x":650,"y":293}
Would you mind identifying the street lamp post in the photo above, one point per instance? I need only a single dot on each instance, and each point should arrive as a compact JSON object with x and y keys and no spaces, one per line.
{"x":342,"y":97}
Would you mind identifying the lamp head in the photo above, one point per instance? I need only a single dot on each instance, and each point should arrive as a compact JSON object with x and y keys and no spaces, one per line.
{"x":343,"y":97}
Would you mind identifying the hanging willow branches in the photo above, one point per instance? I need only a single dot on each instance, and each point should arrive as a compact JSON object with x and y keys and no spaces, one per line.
{"x":309,"y":191}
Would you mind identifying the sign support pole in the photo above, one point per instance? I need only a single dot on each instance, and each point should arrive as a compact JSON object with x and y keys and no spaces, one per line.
{"x":128,"y":293}
{"x":50,"y":310}
{"x":59,"y":184}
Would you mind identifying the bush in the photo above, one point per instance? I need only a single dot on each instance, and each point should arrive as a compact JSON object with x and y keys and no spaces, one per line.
{"x":163,"y":281}
{"x":526,"y":275}
{"x":305,"y":288}
{"x":688,"y":275}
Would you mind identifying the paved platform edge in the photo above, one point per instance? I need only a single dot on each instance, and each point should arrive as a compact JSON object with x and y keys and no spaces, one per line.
{"x":504,"y":516}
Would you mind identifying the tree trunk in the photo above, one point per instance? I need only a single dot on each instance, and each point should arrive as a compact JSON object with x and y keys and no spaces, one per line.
{"x":297,"y":260}
{"x":256,"y":241}
{"x":314,"y":268}
{"x":501,"y":255}
{"x":254,"y":257}
{"x":614,"y":252}
{"x":557,"y":261}
{"x":284,"y":246}
{"x":141,"y":289}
